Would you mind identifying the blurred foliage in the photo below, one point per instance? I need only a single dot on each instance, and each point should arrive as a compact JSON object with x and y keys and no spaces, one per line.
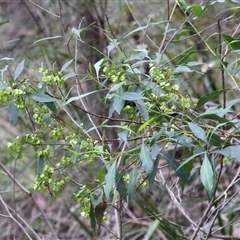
{"x":119,"y":119}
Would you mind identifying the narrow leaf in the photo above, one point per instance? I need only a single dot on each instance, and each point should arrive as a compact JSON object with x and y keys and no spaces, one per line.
{"x":41,"y":97}
{"x":231,"y":151}
{"x":13,"y":113}
{"x":121,"y":187}
{"x":146,"y":158}
{"x":52,"y":106}
{"x":19,"y":69}
{"x":69,"y":75}
{"x":152,"y":175}
{"x":151,"y":229}
{"x":78,"y":97}
{"x":40,"y":164}
{"x":174,"y":165}
{"x":109,"y":179}
{"x":65,"y":65}
{"x":98,"y":65}
{"x":92,"y":217}
{"x":146,"y":26}
{"x":182,"y":69}
{"x":132,"y":183}
{"x":47,"y":118}
{"x":145,"y":124}
{"x":118,"y":104}
{"x":207,"y":176}
{"x":131,"y":96}
{"x":209,"y":97}
{"x":141,"y":107}
{"x":47,"y":38}
{"x":114,"y":43}
{"x":214,"y":140}
{"x":198,"y":131}
{"x":232,"y":103}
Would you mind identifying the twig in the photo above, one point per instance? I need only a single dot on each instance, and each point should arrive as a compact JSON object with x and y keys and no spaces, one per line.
{"x":31,"y":196}
{"x":43,"y":9}
{"x":167,"y":26}
{"x":14,"y":219}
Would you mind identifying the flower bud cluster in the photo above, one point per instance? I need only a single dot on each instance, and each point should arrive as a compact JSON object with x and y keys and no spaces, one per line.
{"x":114,"y":75}
{"x":49,"y":77}
{"x":16,"y":147}
{"x":167,"y":101}
{"x":83,"y":198}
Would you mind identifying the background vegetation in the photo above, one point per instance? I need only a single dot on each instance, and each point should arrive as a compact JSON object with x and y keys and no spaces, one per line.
{"x":119,"y":119}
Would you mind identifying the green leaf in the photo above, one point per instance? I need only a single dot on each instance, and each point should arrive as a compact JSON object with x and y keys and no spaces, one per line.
{"x":116,"y":86}
{"x":209,"y":97}
{"x":182,"y":4}
{"x":19,"y":69}
{"x":233,"y":43}
{"x":152,"y":175}
{"x":181,"y":34}
{"x":42,"y":97}
{"x":40,"y":165}
{"x":141,"y":107}
{"x":156,"y":137}
{"x":182,"y":69}
{"x":69,"y":75}
{"x":97,"y":198}
{"x":75,"y":155}
{"x":151,"y":229}
{"x":145,"y":124}
{"x":118,"y":104}
{"x":214,"y":140}
{"x":217,"y":118}
{"x":78,"y":97}
{"x":231,"y":151}
{"x":208,"y":176}
{"x":132,"y":183}
{"x":109,"y":179}
{"x":13,"y":113}
{"x":188,"y":160}
{"x":43,"y":88}
{"x":121,"y":187}
{"x":139,"y":54}
{"x":232,"y":103}
{"x":131,"y":96}
{"x":113,"y":44}
{"x":92,"y":217}
{"x":144,"y":27}
{"x":101,"y":174}
{"x":123,"y":137}
{"x":198,"y":131}
{"x":52,"y":106}
{"x":47,"y":38}
{"x":47,"y":118}
{"x":146,"y":158}
{"x":197,"y":10}
{"x":174,"y":165}
{"x":194,"y":63}
{"x":98,"y":65}
{"x":65,"y":65}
